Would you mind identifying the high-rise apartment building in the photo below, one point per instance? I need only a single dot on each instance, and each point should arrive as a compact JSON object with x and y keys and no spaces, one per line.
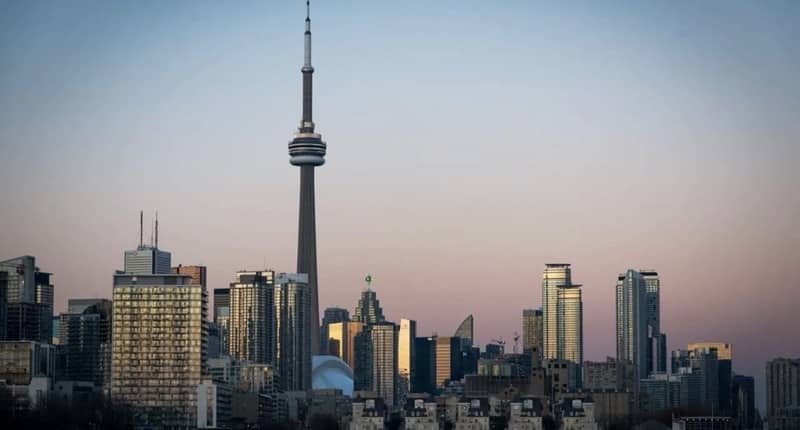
{"x":85,"y":338}
{"x":406,"y":337}
{"x":562,"y":314}
{"x":657,"y":343}
{"x":632,"y":318}
{"x":532,"y":330}
{"x":783,"y":393}
{"x":158,"y":346}
{"x":292,"y":304}
{"x":570,"y":323}
{"x":368,"y":310}
{"x":330,"y":316}
{"x":251,"y":333}
{"x":222,"y":317}
{"x":383,"y":344}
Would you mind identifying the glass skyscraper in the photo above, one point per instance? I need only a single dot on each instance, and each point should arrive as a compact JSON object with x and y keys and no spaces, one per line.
{"x":292,"y":304}
{"x":406,"y":336}
{"x":251,"y":333}
{"x":632,"y":312}
{"x":562,"y":314}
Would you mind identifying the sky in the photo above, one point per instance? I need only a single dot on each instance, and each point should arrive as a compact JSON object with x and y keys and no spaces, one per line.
{"x":469,"y":143}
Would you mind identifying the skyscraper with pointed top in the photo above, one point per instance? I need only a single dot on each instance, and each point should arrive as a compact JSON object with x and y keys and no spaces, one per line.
{"x":307,"y":150}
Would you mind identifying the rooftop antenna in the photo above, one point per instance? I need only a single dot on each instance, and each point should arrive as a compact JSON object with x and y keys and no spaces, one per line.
{"x":141,"y":228}
{"x":156,"y":229}
{"x":151,"y":234}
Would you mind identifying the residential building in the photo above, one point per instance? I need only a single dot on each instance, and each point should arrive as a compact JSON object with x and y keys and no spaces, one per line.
{"x":632,"y":321}
{"x":368,"y":414}
{"x":783,"y":393}
{"x":532,"y":331}
{"x":292,"y":331}
{"x":85,"y":338}
{"x":251,"y":324}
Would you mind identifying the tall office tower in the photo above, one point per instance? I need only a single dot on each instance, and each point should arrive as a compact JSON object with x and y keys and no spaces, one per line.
{"x":466,"y":332}
{"x":85,"y":338}
{"x":744,"y":407}
{"x":699,"y":370}
{"x":406,"y":337}
{"x":331,"y":315}
{"x":783,"y":393}
{"x":28,"y":310}
{"x":368,"y":310}
{"x":555,"y":276}
{"x":307,"y":150}
{"x":362,"y":360}
{"x":632,"y":317}
{"x":447,"y":359}
{"x":424,"y":375}
{"x":293,"y":340}
{"x":657,"y":344}
{"x":383,"y":343}
{"x":341,"y":340}
{"x":222,"y":317}
{"x":158,"y":344}
{"x":725,"y":372}
{"x":570,"y":323}
{"x":252,"y":313}
{"x":532,"y":326}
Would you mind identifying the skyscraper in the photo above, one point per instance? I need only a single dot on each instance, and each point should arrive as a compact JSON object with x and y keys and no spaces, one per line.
{"x":341,"y":340}
{"x":252,"y":314}
{"x":783,"y":393}
{"x":307,"y":150}
{"x":368,"y":310}
{"x":632,"y":318}
{"x":292,"y":331}
{"x":555,"y":275}
{"x":570,"y":323}
{"x":158,"y":344}
{"x":331,"y":315}
{"x":424,"y":376}
{"x":222,"y":313}
{"x":383,"y":342}
{"x":447,"y":356}
{"x":28,"y":310}
{"x":85,"y":337}
{"x":406,"y":337}
{"x":657,"y":344}
{"x":466,"y":332}
{"x":724,"y":372}
{"x":532,"y":330}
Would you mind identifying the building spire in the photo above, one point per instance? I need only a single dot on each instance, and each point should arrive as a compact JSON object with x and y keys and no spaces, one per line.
{"x":307,"y":124}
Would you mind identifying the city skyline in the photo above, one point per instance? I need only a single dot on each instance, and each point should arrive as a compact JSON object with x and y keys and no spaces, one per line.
{"x":709,"y":214}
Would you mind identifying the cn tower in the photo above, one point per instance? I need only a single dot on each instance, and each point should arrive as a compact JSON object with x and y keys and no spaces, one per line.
{"x":307,"y":150}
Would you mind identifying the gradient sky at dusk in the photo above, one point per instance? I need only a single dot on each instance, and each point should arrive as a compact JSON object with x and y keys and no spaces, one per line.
{"x":469,"y":143}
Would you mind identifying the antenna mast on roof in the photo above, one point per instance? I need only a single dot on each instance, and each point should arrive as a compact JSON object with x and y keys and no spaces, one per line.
{"x":141,"y":228}
{"x":156,"y":229}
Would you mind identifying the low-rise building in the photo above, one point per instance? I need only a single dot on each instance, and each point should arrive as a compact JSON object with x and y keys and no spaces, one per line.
{"x":577,"y":414}
{"x":702,"y":423}
{"x":526,"y":414}
{"x":368,"y":414}
{"x":27,"y":368}
{"x":420,"y":414}
{"x":472,"y":414}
